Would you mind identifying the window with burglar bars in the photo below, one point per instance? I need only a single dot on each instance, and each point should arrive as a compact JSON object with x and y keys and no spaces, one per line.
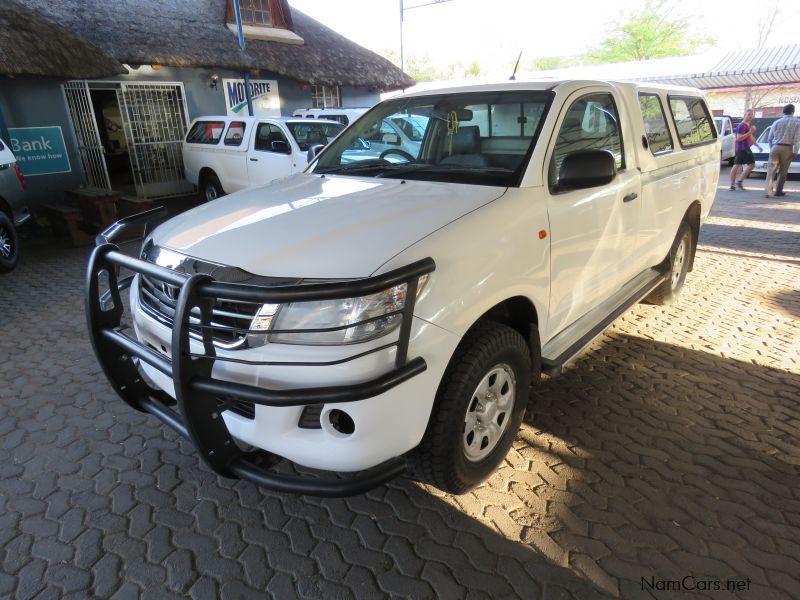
{"x":325,"y":96}
{"x":255,"y":12}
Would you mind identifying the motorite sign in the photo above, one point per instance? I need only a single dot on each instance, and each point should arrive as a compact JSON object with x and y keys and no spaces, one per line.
{"x":264,"y":93}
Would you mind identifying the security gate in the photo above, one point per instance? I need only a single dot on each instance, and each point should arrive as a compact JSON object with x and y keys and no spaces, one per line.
{"x":154,"y":119}
{"x":154,"y":122}
{"x":90,"y":147}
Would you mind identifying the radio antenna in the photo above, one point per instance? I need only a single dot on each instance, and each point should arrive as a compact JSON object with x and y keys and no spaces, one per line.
{"x":516,"y":66}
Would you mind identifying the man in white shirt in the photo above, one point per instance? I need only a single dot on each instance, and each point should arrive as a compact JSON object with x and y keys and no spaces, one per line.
{"x":784,"y":139}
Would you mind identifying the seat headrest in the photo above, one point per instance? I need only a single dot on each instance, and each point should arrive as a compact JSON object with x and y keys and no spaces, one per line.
{"x":466,"y":140}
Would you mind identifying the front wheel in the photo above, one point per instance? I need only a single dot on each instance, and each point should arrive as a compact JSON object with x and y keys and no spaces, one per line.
{"x":679,"y":257}
{"x":211,"y":188}
{"x":9,"y":244}
{"x":478,"y":409}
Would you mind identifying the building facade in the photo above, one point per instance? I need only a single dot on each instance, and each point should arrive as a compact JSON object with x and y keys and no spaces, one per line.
{"x":121,"y":127}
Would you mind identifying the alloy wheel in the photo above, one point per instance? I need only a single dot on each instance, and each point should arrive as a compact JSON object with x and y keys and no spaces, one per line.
{"x":5,"y":243}
{"x":489,"y":412}
{"x":678,"y":261}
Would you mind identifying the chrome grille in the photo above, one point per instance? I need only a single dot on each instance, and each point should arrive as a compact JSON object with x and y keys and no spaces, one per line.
{"x":159,"y":300}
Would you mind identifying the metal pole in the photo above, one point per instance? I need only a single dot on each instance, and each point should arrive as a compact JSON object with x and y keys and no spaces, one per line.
{"x":402,"y":64}
{"x":240,"y":34}
{"x":3,"y":128}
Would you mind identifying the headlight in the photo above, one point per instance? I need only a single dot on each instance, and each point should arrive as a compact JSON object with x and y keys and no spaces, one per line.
{"x":376,"y":309}
{"x":325,"y":314}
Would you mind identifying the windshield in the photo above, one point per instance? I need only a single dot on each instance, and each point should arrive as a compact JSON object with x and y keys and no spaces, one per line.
{"x":310,"y":133}
{"x":481,"y":138}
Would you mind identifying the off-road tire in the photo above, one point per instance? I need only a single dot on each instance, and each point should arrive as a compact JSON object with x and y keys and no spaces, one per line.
{"x":669,"y":291}
{"x":441,"y":459}
{"x":210,"y":186}
{"x":8,"y":234}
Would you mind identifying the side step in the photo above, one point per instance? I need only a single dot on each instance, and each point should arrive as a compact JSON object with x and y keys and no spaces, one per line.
{"x":566,"y":345}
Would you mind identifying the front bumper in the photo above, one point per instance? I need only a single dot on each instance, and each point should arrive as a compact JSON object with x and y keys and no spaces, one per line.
{"x":201,"y":398}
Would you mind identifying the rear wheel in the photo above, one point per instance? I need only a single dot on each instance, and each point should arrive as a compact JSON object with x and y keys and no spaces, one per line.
{"x":9,"y":244}
{"x":211,"y":188}
{"x":679,"y":257}
{"x":478,"y":410}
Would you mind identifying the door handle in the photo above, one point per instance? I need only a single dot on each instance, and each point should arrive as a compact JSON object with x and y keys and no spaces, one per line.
{"x":254,"y":159}
{"x":631,"y":196}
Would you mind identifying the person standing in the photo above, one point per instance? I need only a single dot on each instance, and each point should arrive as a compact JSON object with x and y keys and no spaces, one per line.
{"x":743,"y":157}
{"x":784,"y":139}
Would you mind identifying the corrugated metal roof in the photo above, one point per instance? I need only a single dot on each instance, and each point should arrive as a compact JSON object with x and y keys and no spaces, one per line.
{"x":765,"y":66}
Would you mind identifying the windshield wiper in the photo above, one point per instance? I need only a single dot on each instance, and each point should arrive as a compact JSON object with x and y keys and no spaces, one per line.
{"x":360,"y":166}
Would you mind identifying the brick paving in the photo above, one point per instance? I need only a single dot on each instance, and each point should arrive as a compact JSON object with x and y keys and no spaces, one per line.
{"x":669,"y":449}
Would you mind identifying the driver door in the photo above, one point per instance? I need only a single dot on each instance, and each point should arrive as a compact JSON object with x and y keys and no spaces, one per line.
{"x":594,"y":231}
{"x":270,"y":154}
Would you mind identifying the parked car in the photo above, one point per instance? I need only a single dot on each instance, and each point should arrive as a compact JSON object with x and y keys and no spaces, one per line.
{"x":727,"y":139}
{"x":362,"y":317}
{"x":762,"y":157}
{"x":13,"y":209}
{"x":345,"y":116}
{"x":224,"y":154}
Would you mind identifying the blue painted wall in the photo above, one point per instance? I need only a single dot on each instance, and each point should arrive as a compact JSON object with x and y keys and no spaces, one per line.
{"x":40,"y":103}
{"x":37,"y":102}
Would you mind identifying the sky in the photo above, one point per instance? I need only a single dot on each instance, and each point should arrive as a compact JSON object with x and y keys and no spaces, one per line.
{"x":495,"y":31}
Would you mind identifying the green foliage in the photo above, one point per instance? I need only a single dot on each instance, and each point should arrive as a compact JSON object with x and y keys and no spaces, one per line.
{"x":422,"y":68}
{"x":654,"y":31}
{"x":546,"y":63}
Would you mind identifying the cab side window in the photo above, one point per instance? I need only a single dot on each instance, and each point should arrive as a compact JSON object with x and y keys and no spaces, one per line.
{"x":591,"y":123}
{"x":267,"y":135}
{"x":235,"y":133}
{"x":659,"y":139}
{"x":692,"y":120}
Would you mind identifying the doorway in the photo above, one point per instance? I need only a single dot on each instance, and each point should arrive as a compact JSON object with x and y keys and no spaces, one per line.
{"x":108,"y":117}
{"x":130,"y":135}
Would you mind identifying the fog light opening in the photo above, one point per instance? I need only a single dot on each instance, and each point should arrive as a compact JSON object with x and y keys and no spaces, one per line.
{"x":341,"y":421}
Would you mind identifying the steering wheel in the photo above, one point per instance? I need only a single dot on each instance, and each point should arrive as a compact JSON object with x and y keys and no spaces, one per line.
{"x":402,"y":153}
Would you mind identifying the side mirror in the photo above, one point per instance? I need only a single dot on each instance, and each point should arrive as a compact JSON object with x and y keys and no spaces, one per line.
{"x":391,"y":138}
{"x":587,"y":168}
{"x":313,"y":151}
{"x":280,"y":146}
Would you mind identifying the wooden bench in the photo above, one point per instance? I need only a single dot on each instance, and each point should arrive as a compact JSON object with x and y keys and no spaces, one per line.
{"x":66,"y":223}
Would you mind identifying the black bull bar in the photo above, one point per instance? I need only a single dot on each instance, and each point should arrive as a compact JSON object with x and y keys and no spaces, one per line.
{"x":199,"y":397}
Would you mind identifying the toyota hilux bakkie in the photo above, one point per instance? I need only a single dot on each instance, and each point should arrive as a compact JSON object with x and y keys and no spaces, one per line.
{"x":382,"y":313}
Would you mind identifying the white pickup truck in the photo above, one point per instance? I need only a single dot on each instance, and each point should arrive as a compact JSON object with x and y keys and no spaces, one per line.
{"x":370,"y":315}
{"x":727,"y":139}
{"x":224,"y":154}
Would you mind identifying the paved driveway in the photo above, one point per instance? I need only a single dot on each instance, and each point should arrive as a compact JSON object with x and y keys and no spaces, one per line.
{"x":669,"y":449}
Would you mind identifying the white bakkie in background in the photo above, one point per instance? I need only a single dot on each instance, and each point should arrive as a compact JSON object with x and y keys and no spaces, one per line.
{"x":224,"y":154}
{"x":530,"y":216}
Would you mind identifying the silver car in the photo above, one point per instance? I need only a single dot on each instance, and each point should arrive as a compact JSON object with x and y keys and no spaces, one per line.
{"x":13,"y":210}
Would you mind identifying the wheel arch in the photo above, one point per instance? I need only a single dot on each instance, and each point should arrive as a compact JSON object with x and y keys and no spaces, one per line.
{"x":519,"y":313}
{"x":692,"y":218}
{"x":5,"y":207}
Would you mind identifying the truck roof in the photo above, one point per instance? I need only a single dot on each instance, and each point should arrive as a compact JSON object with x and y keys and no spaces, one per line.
{"x":248,"y":119}
{"x":544,"y":84}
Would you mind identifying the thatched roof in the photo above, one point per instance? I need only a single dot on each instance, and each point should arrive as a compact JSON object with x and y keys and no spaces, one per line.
{"x":192,"y":33}
{"x":31,"y":44}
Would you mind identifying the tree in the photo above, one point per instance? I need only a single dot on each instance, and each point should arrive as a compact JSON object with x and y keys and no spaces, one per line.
{"x":654,"y":31}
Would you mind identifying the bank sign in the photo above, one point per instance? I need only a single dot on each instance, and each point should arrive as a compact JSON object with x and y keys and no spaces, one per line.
{"x":264,"y":93}
{"x":39,"y":150}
